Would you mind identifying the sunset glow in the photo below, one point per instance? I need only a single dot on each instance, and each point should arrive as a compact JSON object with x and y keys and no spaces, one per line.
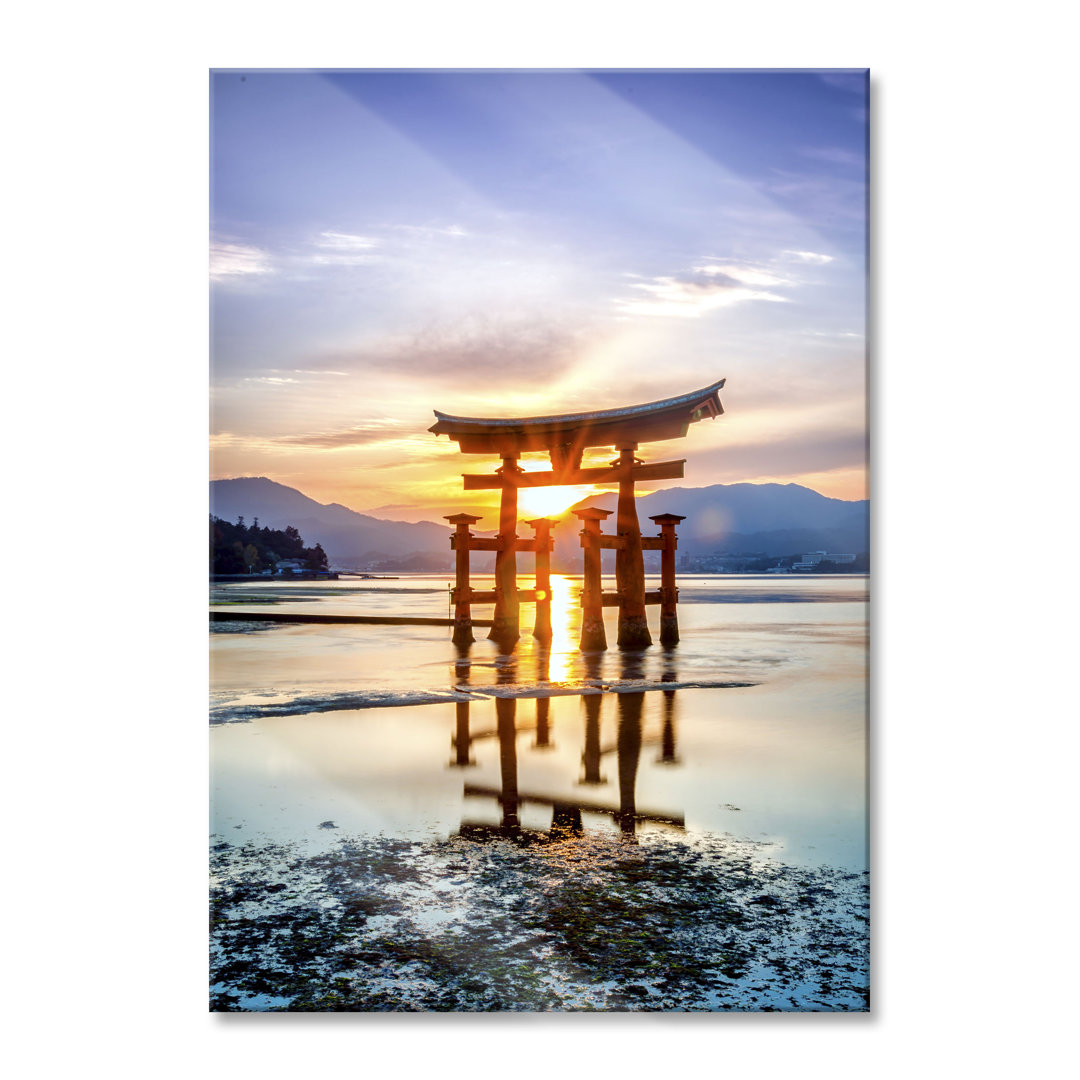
{"x":526,"y":243}
{"x":550,"y":502}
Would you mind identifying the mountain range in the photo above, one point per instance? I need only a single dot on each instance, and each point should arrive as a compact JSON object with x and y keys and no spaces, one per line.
{"x":348,"y":538}
{"x":765,"y":519}
{"x":768,"y":519}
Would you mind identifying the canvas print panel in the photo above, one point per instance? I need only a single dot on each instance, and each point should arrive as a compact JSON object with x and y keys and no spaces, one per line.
{"x":539,"y":541}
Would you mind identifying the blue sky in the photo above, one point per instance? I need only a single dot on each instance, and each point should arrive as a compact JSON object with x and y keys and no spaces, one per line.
{"x":520,"y":243}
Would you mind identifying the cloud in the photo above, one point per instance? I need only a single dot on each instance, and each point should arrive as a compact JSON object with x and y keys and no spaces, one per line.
{"x":432,"y":230}
{"x":834,"y":334}
{"x":747,"y":275}
{"x":329,"y":248}
{"x":822,"y":200}
{"x":709,"y":288}
{"x":345,"y":241}
{"x":835,"y":155}
{"x":400,"y":443}
{"x":373,"y":431}
{"x":808,"y":257}
{"x":233,"y":260}
{"x":342,"y":249}
{"x":223,"y":441}
{"x":479,"y":351}
{"x":418,"y":453}
{"x":854,"y":82}
{"x":804,"y":452}
{"x":230,"y":259}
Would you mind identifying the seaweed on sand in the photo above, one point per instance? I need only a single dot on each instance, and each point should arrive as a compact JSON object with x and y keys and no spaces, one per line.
{"x":577,"y":923}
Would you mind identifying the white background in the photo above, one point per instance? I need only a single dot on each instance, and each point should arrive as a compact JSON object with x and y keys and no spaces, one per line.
{"x":974,"y":388}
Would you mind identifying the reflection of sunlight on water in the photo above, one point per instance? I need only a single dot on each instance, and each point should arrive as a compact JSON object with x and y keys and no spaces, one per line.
{"x":563,"y":638}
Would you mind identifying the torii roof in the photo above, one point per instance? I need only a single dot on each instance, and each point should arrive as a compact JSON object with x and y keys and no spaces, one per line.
{"x":651,"y":422}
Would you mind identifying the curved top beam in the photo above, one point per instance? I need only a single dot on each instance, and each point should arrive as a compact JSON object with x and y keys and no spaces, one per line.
{"x":668,"y":418}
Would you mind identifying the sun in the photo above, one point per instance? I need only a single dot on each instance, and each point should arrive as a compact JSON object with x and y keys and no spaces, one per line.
{"x":550,"y":501}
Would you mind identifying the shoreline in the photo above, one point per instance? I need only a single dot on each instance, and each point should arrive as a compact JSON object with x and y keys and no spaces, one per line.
{"x":217,"y":615}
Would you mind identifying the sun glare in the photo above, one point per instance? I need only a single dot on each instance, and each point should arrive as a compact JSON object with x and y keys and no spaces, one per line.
{"x":549,"y":501}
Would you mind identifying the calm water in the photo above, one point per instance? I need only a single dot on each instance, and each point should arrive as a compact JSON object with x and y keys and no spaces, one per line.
{"x":317,"y":733}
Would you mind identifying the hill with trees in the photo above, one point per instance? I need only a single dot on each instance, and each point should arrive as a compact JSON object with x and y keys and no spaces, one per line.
{"x":237,"y":548}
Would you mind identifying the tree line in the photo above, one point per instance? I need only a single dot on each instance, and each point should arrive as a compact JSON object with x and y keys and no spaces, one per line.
{"x":237,"y":548}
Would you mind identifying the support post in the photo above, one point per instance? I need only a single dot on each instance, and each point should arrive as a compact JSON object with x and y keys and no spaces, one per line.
{"x":462,"y":742}
{"x":505,"y":711}
{"x":669,"y":594}
{"x":463,"y":634}
{"x":506,"y":620}
{"x":629,"y":561}
{"x":667,"y":736}
{"x":590,"y":757}
{"x":628,"y":742}
{"x":542,"y":625}
{"x":543,"y":723}
{"x":593,"y":636}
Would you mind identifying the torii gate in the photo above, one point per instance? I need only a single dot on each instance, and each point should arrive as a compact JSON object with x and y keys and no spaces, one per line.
{"x":564,"y":438}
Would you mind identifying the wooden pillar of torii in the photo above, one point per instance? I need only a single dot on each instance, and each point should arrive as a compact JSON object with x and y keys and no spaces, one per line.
{"x":506,"y":591}
{"x":462,"y":542}
{"x":669,"y":594}
{"x":564,"y":438}
{"x":629,"y":560}
{"x":593,"y":634}
{"x":630,"y":595}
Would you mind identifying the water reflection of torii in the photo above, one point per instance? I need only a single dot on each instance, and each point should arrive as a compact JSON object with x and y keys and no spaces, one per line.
{"x":567,"y":814}
{"x":506,"y":672}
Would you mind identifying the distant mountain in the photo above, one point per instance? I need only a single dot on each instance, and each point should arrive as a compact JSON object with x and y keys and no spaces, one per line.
{"x":770,"y":519}
{"x":712,"y":512}
{"x":348,"y":538}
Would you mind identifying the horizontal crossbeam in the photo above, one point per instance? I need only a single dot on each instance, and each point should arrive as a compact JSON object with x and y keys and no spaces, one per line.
{"x":534,"y":545}
{"x":494,"y":543}
{"x":479,"y":543}
{"x":606,"y":542}
{"x":520,"y":727}
{"x":475,"y":596}
{"x":605,"y":474}
{"x":478,"y":791}
{"x":616,"y":543}
{"x":487,"y":596}
{"x":612,"y":599}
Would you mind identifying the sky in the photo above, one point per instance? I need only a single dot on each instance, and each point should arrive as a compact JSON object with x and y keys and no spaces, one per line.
{"x":522,"y":243}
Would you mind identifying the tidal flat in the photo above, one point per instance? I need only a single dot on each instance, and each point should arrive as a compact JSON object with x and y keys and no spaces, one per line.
{"x":397,"y":825}
{"x":561,"y":923}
